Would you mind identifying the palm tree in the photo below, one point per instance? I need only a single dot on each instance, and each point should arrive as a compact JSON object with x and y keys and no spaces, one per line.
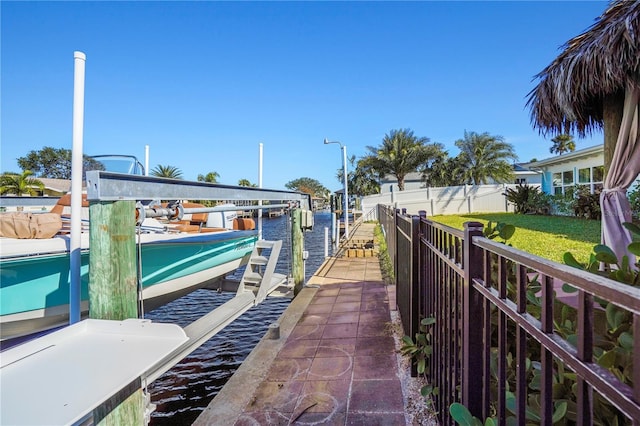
{"x":362,"y":179}
{"x":211,"y":177}
{"x":167,"y":172}
{"x":562,"y":143}
{"x":19,"y":184}
{"x":485,"y":156}
{"x":246,"y":182}
{"x":444,"y":171}
{"x":401,"y":153}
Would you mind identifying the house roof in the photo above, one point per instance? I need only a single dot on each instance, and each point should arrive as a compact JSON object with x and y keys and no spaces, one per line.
{"x":565,"y":158}
{"x":410,"y":177}
{"x":58,"y":185}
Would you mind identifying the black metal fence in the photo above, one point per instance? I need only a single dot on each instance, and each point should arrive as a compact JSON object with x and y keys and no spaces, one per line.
{"x":510,"y":341}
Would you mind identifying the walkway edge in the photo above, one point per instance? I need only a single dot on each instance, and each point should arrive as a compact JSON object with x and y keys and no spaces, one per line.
{"x":228,"y":405}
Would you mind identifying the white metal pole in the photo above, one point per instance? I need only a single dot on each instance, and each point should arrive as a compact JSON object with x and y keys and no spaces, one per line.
{"x":76,"y":188}
{"x":260,"y":186}
{"x":326,"y":241}
{"x":146,"y":160}
{"x":335,"y":228}
{"x":346,"y":194}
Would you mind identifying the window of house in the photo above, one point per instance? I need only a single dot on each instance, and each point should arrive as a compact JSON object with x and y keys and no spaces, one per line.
{"x":591,"y":176}
{"x":521,"y":181}
{"x":584,"y":175}
{"x":598,"y":174}
{"x":567,"y":178}
{"x":563,"y":182}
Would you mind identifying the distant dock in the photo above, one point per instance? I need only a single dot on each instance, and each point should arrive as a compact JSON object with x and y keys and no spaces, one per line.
{"x":277,"y":212}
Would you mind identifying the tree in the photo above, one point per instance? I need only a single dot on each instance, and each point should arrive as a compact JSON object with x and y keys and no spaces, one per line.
{"x":486,"y":157}
{"x":211,"y":177}
{"x":362,"y":179}
{"x":167,"y":172}
{"x":444,"y":171}
{"x":308,"y":186}
{"x":246,"y":182}
{"x":19,"y":184}
{"x":562,"y":143}
{"x":54,"y":163}
{"x":400,"y":153}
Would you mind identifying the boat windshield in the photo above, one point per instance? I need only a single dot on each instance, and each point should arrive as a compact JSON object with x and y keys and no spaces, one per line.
{"x":119,"y":164}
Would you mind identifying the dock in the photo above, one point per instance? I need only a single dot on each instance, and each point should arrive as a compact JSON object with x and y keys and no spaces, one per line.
{"x":331,"y":359}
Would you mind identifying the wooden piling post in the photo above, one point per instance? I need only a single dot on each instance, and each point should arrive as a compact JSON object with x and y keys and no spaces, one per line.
{"x":297,"y":247}
{"x":113,"y":292}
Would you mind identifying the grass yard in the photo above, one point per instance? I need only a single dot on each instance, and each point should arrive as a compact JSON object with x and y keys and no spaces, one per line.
{"x":545,"y":236}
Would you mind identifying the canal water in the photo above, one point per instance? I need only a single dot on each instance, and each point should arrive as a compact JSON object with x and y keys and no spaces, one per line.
{"x":184,"y":391}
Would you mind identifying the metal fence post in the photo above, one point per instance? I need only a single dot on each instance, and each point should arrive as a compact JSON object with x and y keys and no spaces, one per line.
{"x":472,"y":353}
{"x":396,"y":212}
{"x":421,"y":282}
{"x":415,"y":274}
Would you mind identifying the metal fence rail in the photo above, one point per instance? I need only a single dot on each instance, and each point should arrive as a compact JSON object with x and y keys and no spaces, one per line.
{"x":508,"y":342}
{"x":440,"y":287}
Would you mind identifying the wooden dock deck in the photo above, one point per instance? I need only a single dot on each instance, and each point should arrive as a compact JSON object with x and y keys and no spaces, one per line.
{"x":335,"y":361}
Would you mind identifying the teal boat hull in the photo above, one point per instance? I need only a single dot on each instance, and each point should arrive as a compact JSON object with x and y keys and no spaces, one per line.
{"x":34,"y":290}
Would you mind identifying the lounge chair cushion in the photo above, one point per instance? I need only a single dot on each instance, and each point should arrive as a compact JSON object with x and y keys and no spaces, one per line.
{"x":29,"y":225}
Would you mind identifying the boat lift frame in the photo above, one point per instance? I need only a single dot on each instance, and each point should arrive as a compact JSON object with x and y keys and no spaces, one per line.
{"x":108,"y":186}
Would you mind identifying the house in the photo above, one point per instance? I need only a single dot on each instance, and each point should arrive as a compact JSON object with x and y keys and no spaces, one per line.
{"x":55,"y":187}
{"x":561,"y":173}
{"x":525,"y":176}
{"x":389,"y":183}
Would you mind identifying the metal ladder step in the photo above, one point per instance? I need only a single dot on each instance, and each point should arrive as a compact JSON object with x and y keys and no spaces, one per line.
{"x":259,"y":276}
{"x":259,"y":260}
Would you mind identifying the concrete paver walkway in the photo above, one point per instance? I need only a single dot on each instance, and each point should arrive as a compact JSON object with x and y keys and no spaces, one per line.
{"x":335,"y":362}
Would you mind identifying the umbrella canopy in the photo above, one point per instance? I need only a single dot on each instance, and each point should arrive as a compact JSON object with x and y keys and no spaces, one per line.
{"x":598,"y":63}
{"x":595,"y":83}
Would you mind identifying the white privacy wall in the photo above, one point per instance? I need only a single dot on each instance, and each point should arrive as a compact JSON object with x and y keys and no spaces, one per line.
{"x":448,"y":200}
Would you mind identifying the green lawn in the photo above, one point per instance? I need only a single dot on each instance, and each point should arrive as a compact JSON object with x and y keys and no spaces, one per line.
{"x":545,"y":236}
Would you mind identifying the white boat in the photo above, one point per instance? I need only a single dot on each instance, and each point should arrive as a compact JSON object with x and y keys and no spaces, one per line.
{"x":175,"y":259}
{"x":34,"y":273}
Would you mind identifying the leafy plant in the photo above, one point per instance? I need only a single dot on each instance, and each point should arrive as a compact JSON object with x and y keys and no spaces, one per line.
{"x":615,"y":269}
{"x":634,"y":200}
{"x":562,"y":204}
{"x":420,"y":351}
{"x":528,"y":199}
{"x":500,"y":230}
{"x":586,"y":204}
{"x":463,"y":417}
{"x":613,"y":341}
{"x":386,"y":267}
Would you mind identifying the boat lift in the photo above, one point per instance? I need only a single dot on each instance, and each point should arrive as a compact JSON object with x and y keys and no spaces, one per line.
{"x":57,"y":373}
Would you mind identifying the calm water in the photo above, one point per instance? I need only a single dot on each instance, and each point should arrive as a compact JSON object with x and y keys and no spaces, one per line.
{"x":185,"y":390}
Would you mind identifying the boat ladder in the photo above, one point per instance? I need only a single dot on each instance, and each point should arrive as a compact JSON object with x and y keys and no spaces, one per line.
{"x":260,"y":277}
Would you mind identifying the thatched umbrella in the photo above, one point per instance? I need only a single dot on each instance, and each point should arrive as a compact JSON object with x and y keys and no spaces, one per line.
{"x":595,"y":84}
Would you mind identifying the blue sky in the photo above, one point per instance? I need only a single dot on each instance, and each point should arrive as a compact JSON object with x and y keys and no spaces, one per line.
{"x":203,"y":83}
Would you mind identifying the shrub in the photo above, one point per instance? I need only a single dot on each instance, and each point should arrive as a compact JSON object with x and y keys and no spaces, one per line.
{"x":585,"y":204}
{"x":528,"y":199}
{"x":562,"y":204}
{"x":634,"y":200}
